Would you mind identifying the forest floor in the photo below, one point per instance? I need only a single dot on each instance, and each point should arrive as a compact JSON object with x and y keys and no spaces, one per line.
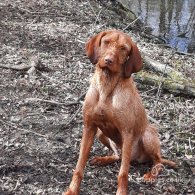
{"x":41,"y":108}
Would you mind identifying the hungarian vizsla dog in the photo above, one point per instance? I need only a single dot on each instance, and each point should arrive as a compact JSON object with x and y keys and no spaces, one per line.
{"x":113,"y":111}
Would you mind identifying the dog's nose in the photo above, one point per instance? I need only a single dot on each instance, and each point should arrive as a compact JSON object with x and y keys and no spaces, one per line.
{"x":108,"y":60}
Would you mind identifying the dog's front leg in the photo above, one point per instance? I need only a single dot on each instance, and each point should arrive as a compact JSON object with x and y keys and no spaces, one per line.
{"x":86,"y":143}
{"x":125,"y":164}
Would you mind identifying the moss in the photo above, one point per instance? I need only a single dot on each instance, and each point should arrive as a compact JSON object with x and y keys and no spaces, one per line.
{"x":176,"y":85}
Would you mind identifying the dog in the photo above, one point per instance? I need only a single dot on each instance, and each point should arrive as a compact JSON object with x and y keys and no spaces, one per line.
{"x":113,"y":111}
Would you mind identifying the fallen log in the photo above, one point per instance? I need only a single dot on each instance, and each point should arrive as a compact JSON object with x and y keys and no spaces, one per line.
{"x":162,"y":68}
{"x":174,"y":86}
{"x":16,"y":67}
{"x":33,"y":63}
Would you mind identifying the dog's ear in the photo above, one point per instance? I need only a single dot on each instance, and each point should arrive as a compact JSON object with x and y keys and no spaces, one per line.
{"x":134,"y":62}
{"x":93,"y":47}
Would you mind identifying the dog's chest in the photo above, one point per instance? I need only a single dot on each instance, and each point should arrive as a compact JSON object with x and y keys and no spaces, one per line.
{"x":108,"y":109}
{"x":105,"y":118}
{"x":103,"y":112}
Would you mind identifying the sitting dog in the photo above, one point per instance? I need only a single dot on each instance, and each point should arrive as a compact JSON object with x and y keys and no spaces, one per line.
{"x":113,"y":111}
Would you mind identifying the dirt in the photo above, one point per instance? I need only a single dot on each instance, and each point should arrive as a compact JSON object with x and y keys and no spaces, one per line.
{"x":41,"y":112}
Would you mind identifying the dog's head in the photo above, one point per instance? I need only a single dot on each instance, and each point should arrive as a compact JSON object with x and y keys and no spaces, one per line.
{"x":115,"y":51}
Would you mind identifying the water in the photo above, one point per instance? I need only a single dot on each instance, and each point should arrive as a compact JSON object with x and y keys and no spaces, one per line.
{"x":174,"y":20}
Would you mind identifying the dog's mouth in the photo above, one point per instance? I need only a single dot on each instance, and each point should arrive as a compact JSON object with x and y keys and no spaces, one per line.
{"x":106,"y":70}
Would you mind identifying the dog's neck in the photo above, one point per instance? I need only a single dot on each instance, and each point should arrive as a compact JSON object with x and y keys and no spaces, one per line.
{"x":106,"y":81}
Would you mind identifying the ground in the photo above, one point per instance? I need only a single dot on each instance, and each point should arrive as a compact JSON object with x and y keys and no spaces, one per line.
{"x":41,"y":109}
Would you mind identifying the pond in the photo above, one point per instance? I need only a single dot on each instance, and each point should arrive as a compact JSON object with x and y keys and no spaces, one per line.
{"x":172,"y":20}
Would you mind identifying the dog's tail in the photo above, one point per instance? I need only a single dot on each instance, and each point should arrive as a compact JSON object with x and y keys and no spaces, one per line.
{"x":169,"y":163}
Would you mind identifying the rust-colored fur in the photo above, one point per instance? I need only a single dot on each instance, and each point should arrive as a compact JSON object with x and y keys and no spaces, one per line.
{"x":113,"y":111}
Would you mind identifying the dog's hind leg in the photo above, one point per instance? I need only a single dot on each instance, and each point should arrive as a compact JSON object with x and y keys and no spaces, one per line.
{"x":151,"y":149}
{"x":105,"y":160}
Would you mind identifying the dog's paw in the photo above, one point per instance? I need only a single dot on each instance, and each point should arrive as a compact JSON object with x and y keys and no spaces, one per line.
{"x":99,"y":161}
{"x":103,"y":161}
{"x":69,"y":192}
{"x":121,"y":192}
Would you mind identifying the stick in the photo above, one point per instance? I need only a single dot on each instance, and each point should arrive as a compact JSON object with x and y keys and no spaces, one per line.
{"x":21,"y":129}
{"x":72,"y":118}
{"x":131,"y":23}
{"x":27,"y":100}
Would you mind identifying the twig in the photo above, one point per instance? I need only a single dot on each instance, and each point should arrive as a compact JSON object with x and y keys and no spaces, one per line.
{"x":97,"y":16}
{"x":185,"y":132}
{"x":185,"y":139}
{"x":147,"y":34}
{"x":184,"y":53}
{"x":97,"y":19}
{"x":153,"y":120}
{"x":41,"y":12}
{"x":190,"y":146}
{"x":81,"y":96}
{"x":157,"y":37}
{"x":21,"y":129}
{"x":32,"y":132}
{"x":72,"y":118}
{"x":159,"y":89}
{"x":28,"y":11}
{"x":80,"y":41}
{"x":131,"y":23}
{"x":17,"y":184}
{"x":154,"y":98}
{"x":27,"y":100}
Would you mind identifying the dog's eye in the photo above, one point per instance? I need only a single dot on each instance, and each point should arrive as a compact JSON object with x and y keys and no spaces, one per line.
{"x":106,"y":42}
{"x":122,"y":48}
